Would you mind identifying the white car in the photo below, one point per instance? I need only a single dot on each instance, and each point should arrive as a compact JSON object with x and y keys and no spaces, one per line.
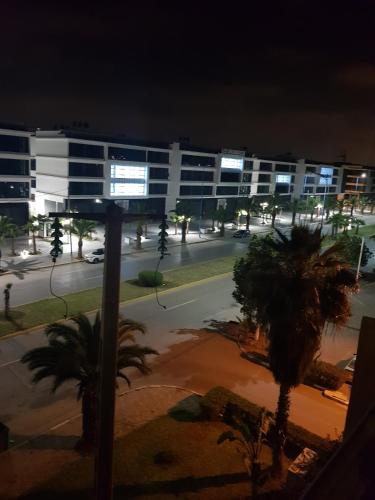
{"x":95,"y":256}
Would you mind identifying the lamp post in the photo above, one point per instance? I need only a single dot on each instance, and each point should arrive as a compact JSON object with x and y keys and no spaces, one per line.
{"x":362,"y":176}
{"x":264,"y":205}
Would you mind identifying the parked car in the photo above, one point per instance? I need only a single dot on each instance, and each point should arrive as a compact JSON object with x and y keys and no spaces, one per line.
{"x":241,"y":233}
{"x":95,"y":256}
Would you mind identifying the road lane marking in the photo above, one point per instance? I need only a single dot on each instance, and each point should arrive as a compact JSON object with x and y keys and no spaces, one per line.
{"x":180,"y":305}
{"x":10,"y":363}
{"x":94,"y":277}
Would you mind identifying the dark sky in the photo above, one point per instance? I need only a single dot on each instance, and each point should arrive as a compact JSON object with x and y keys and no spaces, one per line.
{"x":274,"y":76}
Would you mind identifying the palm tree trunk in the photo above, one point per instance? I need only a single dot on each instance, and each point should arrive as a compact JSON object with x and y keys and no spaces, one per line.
{"x":34,"y":243}
{"x":12,"y":243}
{"x":138,"y":244}
{"x":281,"y":421}
{"x":213,"y":224}
{"x":247,"y":220}
{"x":273,"y":219}
{"x":357,"y":229}
{"x":80,"y":243}
{"x":175,"y":228}
{"x":351,"y":210}
{"x":294,"y":213}
{"x":89,"y":408}
{"x":183,"y":231}
{"x":222,"y":229}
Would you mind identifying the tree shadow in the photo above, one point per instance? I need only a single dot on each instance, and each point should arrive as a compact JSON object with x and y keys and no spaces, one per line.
{"x":19,"y":269}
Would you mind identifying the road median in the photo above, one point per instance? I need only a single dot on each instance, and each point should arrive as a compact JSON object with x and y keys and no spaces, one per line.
{"x":30,"y":316}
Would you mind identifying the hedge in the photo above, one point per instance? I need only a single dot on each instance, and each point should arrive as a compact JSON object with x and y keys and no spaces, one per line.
{"x":325,"y":375}
{"x":150,"y":278}
{"x":213,"y":403}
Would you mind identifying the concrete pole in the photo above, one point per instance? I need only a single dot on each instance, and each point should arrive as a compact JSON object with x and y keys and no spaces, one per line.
{"x":108,"y":354}
{"x":360,"y":257}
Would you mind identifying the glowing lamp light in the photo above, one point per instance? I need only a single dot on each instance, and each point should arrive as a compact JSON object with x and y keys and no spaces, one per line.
{"x":24,"y":254}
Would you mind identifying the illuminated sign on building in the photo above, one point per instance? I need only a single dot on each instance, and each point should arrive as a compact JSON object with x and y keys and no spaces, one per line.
{"x":128,"y":180}
{"x":326,"y":173}
{"x":283,"y":179}
{"x":231,"y":163}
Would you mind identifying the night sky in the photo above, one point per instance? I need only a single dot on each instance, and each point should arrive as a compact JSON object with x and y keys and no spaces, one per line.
{"x":276,"y":77}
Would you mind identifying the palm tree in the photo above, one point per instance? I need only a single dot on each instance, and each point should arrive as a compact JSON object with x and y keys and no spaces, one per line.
{"x":274,"y":207}
{"x":330,"y":205}
{"x":139,"y":232}
{"x":338,"y":221}
{"x":291,"y":295}
{"x":356,"y":221}
{"x":33,"y":227}
{"x":295,"y":205}
{"x":184,"y":213}
{"x":222,"y":216}
{"x":311,"y":204}
{"x":250,"y":206}
{"x":363,"y":202}
{"x":83,"y":229}
{"x":175,"y":219}
{"x":8,"y":230}
{"x":72,"y":353}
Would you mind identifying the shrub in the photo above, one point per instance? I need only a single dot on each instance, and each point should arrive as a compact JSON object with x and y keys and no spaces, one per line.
{"x":150,"y":278}
{"x":325,"y":375}
{"x":213,"y":403}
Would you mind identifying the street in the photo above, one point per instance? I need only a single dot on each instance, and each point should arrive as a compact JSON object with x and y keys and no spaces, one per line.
{"x":33,"y":285}
{"x":189,"y":360}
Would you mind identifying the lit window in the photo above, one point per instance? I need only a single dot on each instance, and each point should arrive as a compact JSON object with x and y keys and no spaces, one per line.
{"x":283,"y":179}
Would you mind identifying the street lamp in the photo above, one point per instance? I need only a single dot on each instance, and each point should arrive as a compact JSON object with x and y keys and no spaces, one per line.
{"x":363,"y":176}
{"x":264,"y":205}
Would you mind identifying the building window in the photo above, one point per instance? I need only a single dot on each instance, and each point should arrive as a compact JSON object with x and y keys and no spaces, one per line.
{"x":33,"y":183}
{"x":159,"y":173}
{"x":308,"y":189}
{"x":230,"y":177}
{"x":85,"y":188}
{"x":157,"y":188}
{"x":334,"y":180}
{"x":249,"y":165}
{"x":282,"y":168}
{"x":309,"y":180}
{"x":126,"y":154}
{"x":293,"y":168}
{"x":33,"y":164}
{"x":195,"y":190}
{"x":157,"y":157}
{"x":310,"y":169}
{"x":14,"y":190}
{"x":332,"y":189}
{"x":197,"y":175}
{"x":80,"y":150}
{"x":265,"y":166}
{"x":282,"y":188}
{"x":264,"y":178}
{"x":247,"y":177}
{"x":14,"y":144}
{"x":10,"y":166}
{"x":198,"y":161}
{"x":245,"y":189}
{"x":77,"y":169}
{"x":336,"y":172}
{"x":227,"y":190}
{"x":263,"y":189}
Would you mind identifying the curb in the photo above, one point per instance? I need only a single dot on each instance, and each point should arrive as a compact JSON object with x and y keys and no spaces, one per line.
{"x":143,"y":250}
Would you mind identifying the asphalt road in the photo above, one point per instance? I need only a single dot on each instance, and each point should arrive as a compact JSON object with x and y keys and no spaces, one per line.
{"x":33,"y":285}
{"x":194,"y":361}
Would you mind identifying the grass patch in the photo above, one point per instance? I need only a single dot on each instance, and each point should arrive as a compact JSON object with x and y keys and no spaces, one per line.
{"x":49,"y":310}
{"x":163,"y":459}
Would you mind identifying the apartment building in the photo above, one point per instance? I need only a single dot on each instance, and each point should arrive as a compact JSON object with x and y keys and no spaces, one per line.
{"x":44,"y":171}
{"x":16,"y":184}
